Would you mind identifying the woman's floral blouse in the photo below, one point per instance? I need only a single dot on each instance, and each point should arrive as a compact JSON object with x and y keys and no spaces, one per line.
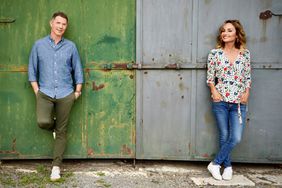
{"x":232,"y":79}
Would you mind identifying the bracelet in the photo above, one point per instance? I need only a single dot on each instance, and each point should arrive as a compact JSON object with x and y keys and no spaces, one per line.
{"x":79,"y":92}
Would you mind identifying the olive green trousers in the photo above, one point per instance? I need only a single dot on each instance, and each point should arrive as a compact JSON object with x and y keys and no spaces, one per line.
{"x":53,"y":115}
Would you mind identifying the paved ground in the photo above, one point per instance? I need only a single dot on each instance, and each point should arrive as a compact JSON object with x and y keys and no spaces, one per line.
{"x":122,"y":174}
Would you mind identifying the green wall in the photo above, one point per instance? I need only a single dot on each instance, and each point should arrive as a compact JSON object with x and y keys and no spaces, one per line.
{"x":102,"y":124}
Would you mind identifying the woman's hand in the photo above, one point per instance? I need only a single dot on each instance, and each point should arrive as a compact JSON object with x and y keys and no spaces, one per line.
{"x":216,"y":97}
{"x":245,"y":97}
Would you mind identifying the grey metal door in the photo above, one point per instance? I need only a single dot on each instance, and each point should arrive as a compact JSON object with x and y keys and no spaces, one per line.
{"x":174,"y":119}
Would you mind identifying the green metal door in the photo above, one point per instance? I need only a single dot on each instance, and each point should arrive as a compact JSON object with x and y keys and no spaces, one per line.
{"x":102,"y":123}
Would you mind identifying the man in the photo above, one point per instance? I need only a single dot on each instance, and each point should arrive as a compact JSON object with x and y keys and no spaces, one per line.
{"x":56,"y":76}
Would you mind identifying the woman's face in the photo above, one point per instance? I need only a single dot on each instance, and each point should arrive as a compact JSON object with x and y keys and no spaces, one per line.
{"x":228,"y":33}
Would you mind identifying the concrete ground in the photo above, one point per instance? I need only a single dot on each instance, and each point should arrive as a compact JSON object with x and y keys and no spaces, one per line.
{"x":123,"y":174}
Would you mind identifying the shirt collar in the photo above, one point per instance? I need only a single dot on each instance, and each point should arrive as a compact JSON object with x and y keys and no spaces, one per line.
{"x":51,"y":40}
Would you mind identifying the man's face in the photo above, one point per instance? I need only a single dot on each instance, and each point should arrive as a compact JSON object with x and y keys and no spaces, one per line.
{"x":58,"y":26}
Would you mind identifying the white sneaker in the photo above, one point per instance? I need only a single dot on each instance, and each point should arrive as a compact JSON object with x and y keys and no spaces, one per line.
{"x":54,"y":135}
{"x":55,"y":174}
{"x":227,"y":173}
{"x":215,"y":171}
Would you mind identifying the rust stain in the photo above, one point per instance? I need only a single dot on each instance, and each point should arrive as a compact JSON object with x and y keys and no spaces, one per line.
{"x":14,"y":68}
{"x":106,"y":70}
{"x":87,"y":70}
{"x":14,"y":144}
{"x":189,"y":146}
{"x":181,"y":86}
{"x":90,"y":152}
{"x":205,"y":155}
{"x":265,"y":15}
{"x":263,"y":37}
{"x":9,"y":152}
{"x":126,"y":150}
{"x":120,"y":66}
{"x":171,"y":66}
{"x":96,"y":88}
{"x":208,"y":118}
{"x":13,"y":151}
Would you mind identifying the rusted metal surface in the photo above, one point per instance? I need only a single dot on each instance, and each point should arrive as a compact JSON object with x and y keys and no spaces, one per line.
{"x":174,"y":116}
{"x":173,"y":66}
{"x":107,"y":39}
{"x":267,"y":14}
{"x":171,"y":100}
{"x":110,"y":114}
{"x":96,"y":88}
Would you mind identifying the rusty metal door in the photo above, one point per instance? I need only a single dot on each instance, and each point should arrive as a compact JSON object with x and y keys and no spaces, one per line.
{"x":102,"y":123}
{"x":174,"y":119}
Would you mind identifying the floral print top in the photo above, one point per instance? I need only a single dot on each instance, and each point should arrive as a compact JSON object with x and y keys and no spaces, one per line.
{"x":232,"y":79}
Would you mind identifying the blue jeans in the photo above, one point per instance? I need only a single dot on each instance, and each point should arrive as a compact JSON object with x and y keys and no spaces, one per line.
{"x":229,"y":127}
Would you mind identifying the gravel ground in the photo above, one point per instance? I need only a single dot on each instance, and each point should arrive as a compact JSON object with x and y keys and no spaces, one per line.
{"x":123,"y":174}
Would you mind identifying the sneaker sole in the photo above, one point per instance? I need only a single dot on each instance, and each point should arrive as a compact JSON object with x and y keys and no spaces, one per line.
{"x":55,"y":179}
{"x":212,"y":175}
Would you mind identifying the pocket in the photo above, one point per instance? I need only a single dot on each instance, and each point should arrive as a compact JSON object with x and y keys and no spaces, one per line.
{"x":74,"y":97}
{"x":37,"y":94}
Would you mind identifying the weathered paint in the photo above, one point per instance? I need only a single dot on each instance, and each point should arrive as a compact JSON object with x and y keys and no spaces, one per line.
{"x":174,"y":117}
{"x":104,"y":31}
{"x":110,"y":111}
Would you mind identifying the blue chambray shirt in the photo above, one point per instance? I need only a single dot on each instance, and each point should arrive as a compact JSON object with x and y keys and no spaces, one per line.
{"x":56,"y":68}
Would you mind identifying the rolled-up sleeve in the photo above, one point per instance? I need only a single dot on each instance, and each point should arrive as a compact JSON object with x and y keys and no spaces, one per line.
{"x":211,"y":68}
{"x":77,"y":67}
{"x":32,"y":66}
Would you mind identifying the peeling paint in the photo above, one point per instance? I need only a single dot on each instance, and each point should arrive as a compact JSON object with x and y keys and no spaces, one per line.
{"x":90,"y":152}
{"x":14,"y":144}
{"x":205,"y":155}
{"x":96,"y":88}
{"x":126,"y":150}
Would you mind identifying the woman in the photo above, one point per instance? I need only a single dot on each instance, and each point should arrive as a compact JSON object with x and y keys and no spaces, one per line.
{"x":229,"y":79}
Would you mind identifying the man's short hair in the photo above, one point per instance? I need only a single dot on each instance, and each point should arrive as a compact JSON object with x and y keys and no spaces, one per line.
{"x":61,"y":14}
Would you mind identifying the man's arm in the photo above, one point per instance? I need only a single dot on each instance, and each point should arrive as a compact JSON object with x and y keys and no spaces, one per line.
{"x":35,"y":87}
{"x":77,"y":92}
{"x":78,"y":73}
{"x":32,"y":70}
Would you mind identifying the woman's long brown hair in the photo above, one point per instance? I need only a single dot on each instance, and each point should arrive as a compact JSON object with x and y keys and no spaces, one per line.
{"x":240,"y":42}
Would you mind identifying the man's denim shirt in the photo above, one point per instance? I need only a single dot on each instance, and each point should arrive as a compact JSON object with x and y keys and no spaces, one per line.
{"x":56,"y":68}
